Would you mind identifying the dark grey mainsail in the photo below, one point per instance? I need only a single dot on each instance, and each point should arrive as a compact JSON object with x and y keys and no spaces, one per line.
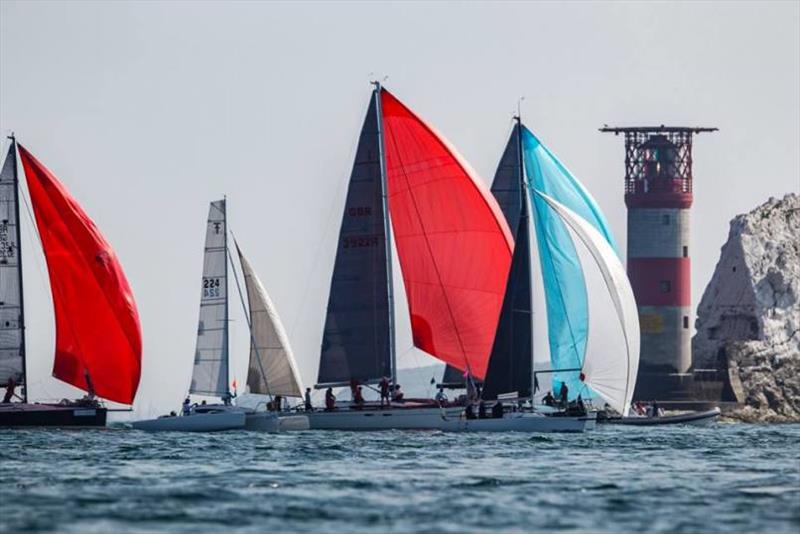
{"x":356,"y":342}
{"x":12,"y":331}
{"x":210,"y":373}
{"x":510,"y":364}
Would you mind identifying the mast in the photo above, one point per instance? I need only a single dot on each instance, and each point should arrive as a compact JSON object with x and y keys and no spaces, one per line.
{"x":524,"y":211}
{"x":387,"y":233}
{"x":13,"y":153}
{"x":225,"y":336}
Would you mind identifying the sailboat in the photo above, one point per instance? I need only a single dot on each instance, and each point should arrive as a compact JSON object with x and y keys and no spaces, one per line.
{"x":271,"y":370}
{"x":410,"y":185}
{"x":530,"y":180}
{"x":455,"y":252}
{"x":98,"y":344}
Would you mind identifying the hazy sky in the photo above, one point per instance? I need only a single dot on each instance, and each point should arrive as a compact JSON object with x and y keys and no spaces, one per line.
{"x":147,"y":111}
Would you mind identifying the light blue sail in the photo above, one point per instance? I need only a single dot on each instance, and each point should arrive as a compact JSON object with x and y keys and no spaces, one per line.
{"x":564,"y":283}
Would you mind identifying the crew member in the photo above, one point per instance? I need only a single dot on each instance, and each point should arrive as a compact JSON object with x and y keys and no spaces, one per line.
{"x":309,"y":407}
{"x":11,"y":386}
{"x":563,"y":395}
{"x":384,"y":385}
{"x":330,"y":400}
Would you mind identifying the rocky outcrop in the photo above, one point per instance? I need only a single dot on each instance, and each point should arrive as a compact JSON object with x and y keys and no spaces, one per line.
{"x":748,"y":320}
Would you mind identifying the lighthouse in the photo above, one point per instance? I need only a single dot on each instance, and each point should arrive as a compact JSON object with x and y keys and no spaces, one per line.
{"x":658,"y":195}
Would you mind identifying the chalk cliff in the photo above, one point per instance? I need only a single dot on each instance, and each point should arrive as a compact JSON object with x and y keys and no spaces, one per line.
{"x":749,"y":317}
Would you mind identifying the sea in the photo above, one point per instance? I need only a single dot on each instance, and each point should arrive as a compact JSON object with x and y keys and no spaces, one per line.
{"x":722,"y":478}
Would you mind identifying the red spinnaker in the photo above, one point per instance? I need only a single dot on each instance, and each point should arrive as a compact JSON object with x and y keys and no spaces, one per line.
{"x":97,"y":324}
{"x":452,"y":239}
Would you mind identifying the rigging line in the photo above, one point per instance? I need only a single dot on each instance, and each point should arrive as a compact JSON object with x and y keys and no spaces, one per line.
{"x":435,"y":264}
{"x":328,"y":229}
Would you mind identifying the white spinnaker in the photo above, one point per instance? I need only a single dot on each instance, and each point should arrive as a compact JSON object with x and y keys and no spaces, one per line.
{"x":270,"y":352}
{"x":612,"y":375}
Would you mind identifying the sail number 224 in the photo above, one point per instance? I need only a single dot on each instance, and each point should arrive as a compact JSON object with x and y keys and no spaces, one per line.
{"x":211,"y":288}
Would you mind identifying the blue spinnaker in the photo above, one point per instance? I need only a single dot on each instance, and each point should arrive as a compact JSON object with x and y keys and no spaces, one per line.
{"x":564,"y":283}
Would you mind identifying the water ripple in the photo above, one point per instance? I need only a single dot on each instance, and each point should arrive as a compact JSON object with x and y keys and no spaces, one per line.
{"x":727,"y":478}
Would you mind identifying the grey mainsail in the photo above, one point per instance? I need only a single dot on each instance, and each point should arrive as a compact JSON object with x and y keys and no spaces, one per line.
{"x":356,"y":338}
{"x":210,"y":374}
{"x":12,"y":337}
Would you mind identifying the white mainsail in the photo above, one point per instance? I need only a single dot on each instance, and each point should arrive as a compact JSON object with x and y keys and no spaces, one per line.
{"x":612,"y":375}
{"x":210,"y":374}
{"x":272,"y":369}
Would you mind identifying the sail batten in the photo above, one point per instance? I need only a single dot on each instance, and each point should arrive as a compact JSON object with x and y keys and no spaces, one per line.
{"x":272,"y":369}
{"x":12,"y":330}
{"x":98,"y":335}
{"x":453,"y":243}
{"x":210,"y":371}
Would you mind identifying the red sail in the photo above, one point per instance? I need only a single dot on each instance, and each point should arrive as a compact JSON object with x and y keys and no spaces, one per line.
{"x":452,"y":239}
{"x":97,"y":324}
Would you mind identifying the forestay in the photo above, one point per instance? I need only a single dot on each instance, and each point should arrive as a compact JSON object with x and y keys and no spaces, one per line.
{"x":612,"y":374}
{"x":210,"y":374}
{"x":12,"y":363}
{"x":272,"y":369}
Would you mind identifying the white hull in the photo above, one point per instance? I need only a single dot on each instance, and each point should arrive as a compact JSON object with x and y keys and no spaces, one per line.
{"x":196,"y":422}
{"x":428,"y":418}
{"x":522,"y":422}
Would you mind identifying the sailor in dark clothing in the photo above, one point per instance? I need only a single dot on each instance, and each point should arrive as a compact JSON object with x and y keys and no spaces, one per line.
{"x":469,"y":413}
{"x":581,"y":406}
{"x":482,"y":410}
{"x":384,"y":385}
{"x":330,"y":400}
{"x":549,"y":400}
{"x":11,"y":386}
{"x":563,"y":395}
{"x":497,"y":410}
{"x":309,"y":407}
{"x":655,"y":409}
{"x":358,"y":398}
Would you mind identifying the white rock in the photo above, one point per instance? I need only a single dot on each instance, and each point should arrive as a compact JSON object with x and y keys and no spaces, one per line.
{"x":749,"y":316}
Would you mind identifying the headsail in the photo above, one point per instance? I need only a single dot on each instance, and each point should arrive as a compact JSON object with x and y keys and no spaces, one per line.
{"x":356,"y":340}
{"x":12,"y":331}
{"x":98,"y":337}
{"x":510,"y":365}
{"x":453,"y":243}
{"x":564,"y":283}
{"x":611,"y":374}
{"x":270,"y":353}
{"x":210,"y":374}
